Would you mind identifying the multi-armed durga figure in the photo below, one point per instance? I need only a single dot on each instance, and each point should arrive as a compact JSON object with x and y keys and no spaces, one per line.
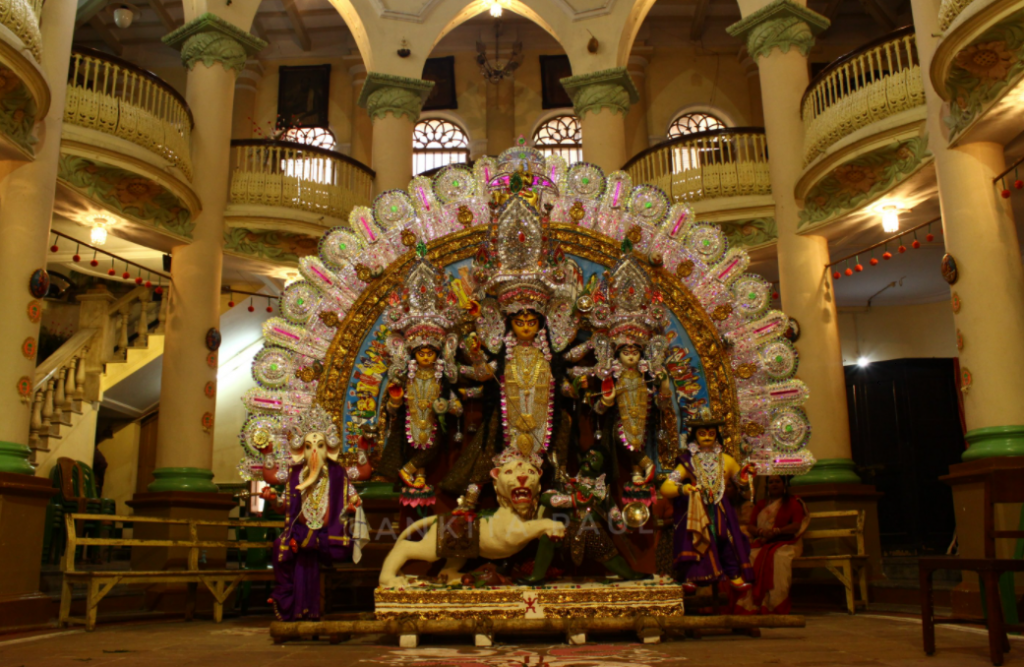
{"x":525,"y":289}
{"x":421,"y":316}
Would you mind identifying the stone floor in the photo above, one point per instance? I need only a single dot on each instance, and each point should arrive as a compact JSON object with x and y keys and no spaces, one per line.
{"x":828,"y":640}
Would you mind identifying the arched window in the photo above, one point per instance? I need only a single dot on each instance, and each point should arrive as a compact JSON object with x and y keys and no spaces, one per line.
{"x":311,"y":168}
{"x":560,"y":135}
{"x":691,"y":123}
{"x":437,"y":142}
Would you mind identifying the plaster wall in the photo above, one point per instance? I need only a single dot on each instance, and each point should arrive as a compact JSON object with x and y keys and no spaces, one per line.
{"x":897,"y":332}
{"x":234,"y":378}
{"x":122,"y":454}
{"x":76,"y":442}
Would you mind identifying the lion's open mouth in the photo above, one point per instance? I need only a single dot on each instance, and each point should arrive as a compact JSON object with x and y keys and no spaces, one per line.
{"x":522,"y":495}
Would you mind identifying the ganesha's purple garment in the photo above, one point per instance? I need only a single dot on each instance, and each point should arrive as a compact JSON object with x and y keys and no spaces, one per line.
{"x":726,"y":557}
{"x":297,"y":593}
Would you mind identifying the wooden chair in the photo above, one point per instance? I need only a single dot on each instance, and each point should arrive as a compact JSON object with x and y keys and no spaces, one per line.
{"x":1000,"y":487}
{"x":850,"y":569}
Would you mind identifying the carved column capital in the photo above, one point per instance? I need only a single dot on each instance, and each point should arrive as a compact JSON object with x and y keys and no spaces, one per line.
{"x":398,"y":95}
{"x":781,"y":24}
{"x":210,"y":39}
{"x":608,"y":89}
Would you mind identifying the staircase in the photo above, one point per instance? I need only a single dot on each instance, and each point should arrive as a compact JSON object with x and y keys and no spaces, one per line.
{"x":116,"y":337}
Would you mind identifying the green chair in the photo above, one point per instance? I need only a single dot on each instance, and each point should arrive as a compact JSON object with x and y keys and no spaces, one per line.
{"x":77,"y":485}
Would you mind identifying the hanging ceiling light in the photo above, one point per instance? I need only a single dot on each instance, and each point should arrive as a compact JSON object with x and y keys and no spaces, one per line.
{"x":98,"y":233}
{"x":495,"y":9}
{"x":891,"y":219}
{"x":496,"y":70}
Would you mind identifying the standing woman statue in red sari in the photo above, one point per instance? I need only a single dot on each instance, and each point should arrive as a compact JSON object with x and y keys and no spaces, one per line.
{"x":776,"y":525}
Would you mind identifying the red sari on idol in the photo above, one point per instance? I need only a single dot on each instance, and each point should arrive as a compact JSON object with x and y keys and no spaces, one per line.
{"x":773,"y":558}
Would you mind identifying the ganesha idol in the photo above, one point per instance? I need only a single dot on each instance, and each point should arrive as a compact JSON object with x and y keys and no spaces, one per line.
{"x":324,"y":519}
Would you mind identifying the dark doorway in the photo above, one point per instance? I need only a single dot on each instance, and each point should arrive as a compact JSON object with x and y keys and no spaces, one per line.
{"x":905,"y":431}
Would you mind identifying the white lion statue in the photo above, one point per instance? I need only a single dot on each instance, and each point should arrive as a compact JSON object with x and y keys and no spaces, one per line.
{"x":512,"y":527}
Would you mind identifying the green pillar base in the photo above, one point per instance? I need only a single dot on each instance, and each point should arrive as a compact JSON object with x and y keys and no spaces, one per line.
{"x":196,"y":480}
{"x":829,"y":471}
{"x":14,"y":458}
{"x":994,"y":441}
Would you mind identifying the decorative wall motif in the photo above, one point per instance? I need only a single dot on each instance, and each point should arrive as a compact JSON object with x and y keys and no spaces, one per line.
{"x":269,"y":244}
{"x":17,"y":110}
{"x":750,"y":233}
{"x":22,"y":18}
{"x":128,"y":194}
{"x":862,"y":179}
{"x":950,"y":9}
{"x":981,"y":72}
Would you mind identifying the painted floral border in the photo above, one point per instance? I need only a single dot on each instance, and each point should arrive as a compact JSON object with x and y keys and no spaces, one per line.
{"x":981,"y":71}
{"x":750,"y":233}
{"x":17,"y":110}
{"x":270,"y":244}
{"x":862,"y":179}
{"x":129,"y":194}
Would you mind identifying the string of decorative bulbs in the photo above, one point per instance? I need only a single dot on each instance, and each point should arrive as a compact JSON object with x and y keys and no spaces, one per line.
{"x":252,"y":295}
{"x":884,"y":244}
{"x":1003,"y":181}
{"x":148,"y":281}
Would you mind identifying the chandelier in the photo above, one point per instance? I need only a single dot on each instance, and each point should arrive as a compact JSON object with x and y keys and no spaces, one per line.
{"x":494,"y":71}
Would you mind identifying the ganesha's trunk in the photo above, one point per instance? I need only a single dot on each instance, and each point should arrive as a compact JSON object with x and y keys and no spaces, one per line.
{"x":314,"y":469}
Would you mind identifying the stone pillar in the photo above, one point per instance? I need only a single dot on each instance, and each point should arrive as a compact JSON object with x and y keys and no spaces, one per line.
{"x":26,"y":206}
{"x":602,"y":100}
{"x":979,"y":232}
{"x":394,"y":104}
{"x":779,"y":35}
{"x":637,"y":129}
{"x":362,"y":128}
{"x":501,"y":115}
{"x":246,"y":87}
{"x":214,"y":51}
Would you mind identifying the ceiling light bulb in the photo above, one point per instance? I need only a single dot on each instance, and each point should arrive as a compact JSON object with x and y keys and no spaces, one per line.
{"x":123,"y":17}
{"x":863,"y":362}
{"x":98,"y":235}
{"x":890,"y":219}
{"x":496,"y":10}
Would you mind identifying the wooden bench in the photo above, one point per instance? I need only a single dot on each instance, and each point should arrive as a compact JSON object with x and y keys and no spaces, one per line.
{"x":850,"y":569}
{"x":220,"y":583}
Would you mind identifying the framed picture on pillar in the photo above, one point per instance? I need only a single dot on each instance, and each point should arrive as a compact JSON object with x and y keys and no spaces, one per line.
{"x":302,"y":96}
{"x":552,"y":70}
{"x":442,"y":72}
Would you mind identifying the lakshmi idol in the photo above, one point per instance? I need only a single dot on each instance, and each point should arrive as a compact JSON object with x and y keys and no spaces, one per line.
{"x":420,"y":315}
{"x":523,"y":285}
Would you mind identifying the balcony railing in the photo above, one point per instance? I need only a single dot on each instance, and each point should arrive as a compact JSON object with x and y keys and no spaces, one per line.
{"x":22,"y":18}
{"x":876,"y":81}
{"x":282,"y":173}
{"x":732,"y":162}
{"x":113,"y":96}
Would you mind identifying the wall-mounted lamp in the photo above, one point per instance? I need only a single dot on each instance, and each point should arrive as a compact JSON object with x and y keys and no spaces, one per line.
{"x":98,"y":232}
{"x":404,"y":51}
{"x":863,"y":362}
{"x":891,"y":219}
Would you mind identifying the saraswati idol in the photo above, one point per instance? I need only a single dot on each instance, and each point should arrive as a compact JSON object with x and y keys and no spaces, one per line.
{"x":524,"y":289}
{"x":421,"y":315}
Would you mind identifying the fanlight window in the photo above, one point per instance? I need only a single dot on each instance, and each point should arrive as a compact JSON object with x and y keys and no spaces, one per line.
{"x":691,"y":123}
{"x":436,"y":143}
{"x":318,"y":169}
{"x":560,"y":135}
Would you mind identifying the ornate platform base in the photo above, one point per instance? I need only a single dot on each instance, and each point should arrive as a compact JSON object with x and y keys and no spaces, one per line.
{"x":565,"y":600}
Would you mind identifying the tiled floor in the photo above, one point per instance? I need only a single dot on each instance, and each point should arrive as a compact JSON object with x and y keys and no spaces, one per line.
{"x":828,"y":640}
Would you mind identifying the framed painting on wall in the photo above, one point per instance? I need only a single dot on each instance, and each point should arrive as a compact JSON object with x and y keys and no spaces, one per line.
{"x":303,"y":93}
{"x":552,"y":70}
{"x":442,"y":72}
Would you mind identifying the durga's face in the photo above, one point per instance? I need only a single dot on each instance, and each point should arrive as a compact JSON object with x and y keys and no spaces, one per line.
{"x":426,"y":356}
{"x":525,"y":326}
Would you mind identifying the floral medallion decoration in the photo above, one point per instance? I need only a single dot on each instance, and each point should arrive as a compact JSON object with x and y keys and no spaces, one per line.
{"x":949,"y":269}
{"x":128,"y":194}
{"x":39,"y":283}
{"x":211,"y":360}
{"x":966,"y":379}
{"x":272,"y":366}
{"x":207,"y":422}
{"x":983,"y":71}
{"x":213,"y":339}
{"x":24,"y":387}
{"x":17,"y":110}
{"x":269,"y":244}
{"x":210,"y":389}
{"x":750,"y":234}
{"x":861,"y":180}
{"x":35,"y":311}
{"x":956,"y":303}
{"x":28,"y":347}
